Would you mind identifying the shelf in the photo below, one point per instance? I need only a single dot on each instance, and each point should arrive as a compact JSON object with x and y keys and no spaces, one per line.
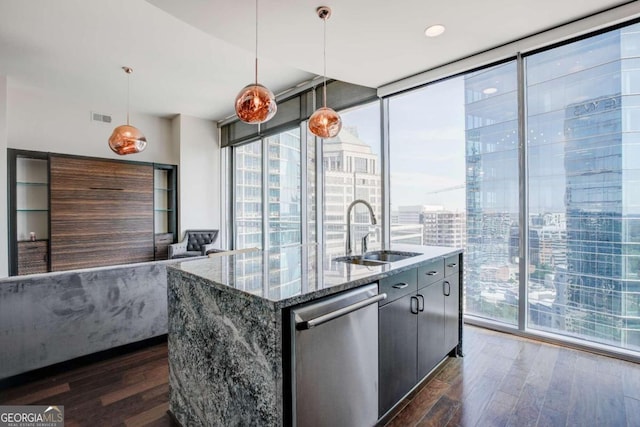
{"x":33,"y":184}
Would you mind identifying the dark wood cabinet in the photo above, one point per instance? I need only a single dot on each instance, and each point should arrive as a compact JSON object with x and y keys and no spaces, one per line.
{"x":439,"y":312}
{"x":162,"y":242}
{"x":397,"y":331}
{"x":101,"y":212}
{"x":32,"y":257}
{"x":430,"y":328}
{"x":419,"y":325}
{"x":451,"y":287}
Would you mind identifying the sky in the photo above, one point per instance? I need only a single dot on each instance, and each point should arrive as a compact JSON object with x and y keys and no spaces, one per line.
{"x":427,"y":144}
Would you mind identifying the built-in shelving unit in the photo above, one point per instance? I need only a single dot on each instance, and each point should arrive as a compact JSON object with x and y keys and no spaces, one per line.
{"x":161,"y":203}
{"x":129,"y":212}
{"x":164,"y":207}
{"x":28,"y":212}
{"x":32,"y":198}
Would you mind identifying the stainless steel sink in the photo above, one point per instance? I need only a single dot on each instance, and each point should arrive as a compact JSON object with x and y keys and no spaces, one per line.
{"x":374,"y":258}
{"x":358,"y":259}
{"x":388,"y":256}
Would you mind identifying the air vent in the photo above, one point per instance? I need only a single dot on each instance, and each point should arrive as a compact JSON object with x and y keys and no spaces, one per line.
{"x":97,"y":117}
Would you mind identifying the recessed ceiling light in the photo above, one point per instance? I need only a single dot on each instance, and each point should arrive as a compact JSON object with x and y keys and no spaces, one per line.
{"x":490,"y":90}
{"x":434,"y":30}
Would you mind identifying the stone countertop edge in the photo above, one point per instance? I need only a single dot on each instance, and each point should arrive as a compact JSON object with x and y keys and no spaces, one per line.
{"x":428,"y":253}
{"x":53,"y":275}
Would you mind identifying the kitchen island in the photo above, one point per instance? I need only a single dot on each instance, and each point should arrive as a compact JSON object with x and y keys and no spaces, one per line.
{"x":229,"y":326}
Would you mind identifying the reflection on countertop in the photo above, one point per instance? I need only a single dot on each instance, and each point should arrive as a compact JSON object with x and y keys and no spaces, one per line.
{"x":296,"y":274}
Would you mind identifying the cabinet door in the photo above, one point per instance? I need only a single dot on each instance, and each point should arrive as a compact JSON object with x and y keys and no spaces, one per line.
{"x":32,"y":257}
{"x":398,"y":285}
{"x":397,"y":351}
{"x":101,"y":212}
{"x":431,"y":328}
{"x":451,"y":290}
{"x":162,"y":241}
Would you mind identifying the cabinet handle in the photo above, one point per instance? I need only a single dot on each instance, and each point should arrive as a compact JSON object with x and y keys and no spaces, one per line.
{"x":400,"y":285}
{"x":453,"y":264}
{"x":417,"y":305}
{"x":448,"y":291}
{"x":420,"y":307}
{"x":431,"y":273}
{"x":106,"y":188}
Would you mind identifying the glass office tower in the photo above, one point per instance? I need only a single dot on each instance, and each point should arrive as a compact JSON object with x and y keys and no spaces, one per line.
{"x":582,"y":109}
{"x":582,"y":105}
{"x":491,"y":131}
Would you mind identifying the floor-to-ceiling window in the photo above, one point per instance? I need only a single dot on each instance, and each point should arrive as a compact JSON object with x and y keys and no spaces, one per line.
{"x":271,"y":181}
{"x":352,"y":170}
{"x":583,"y":132}
{"x":572,"y":121}
{"x":268,"y":176}
{"x":535,"y":177}
{"x":454,"y":179}
{"x":427,"y":165}
{"x":492,"y":201}
{"x":248,"y":195}
{"x":284,"y":191}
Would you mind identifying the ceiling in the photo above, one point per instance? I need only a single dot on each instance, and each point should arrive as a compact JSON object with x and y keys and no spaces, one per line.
{"x":193,"y":56}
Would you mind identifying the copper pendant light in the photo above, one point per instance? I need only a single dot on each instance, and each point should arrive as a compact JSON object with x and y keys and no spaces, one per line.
{"x":325,"y":122}
{"x":127,"y":139}
{"x":255,"y":103}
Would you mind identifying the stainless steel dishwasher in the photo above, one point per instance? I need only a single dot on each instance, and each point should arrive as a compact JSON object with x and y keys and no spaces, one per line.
{"x":335,"y":360}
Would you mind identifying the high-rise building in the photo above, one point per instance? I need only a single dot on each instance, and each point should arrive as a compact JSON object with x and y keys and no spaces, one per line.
{"x":283,"y":192}
{"x":283,"y":204}
{"x":492,"y":201}
{"x":597,"y":224}
{"x":581,"y":176}
{"x":444,"y":228}
{"x":351,"y":172}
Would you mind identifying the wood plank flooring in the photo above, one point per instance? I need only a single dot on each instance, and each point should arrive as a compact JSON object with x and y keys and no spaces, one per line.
{"x":127,"y":390}
{"x":502,"y":381}
{"x":505,"y":380}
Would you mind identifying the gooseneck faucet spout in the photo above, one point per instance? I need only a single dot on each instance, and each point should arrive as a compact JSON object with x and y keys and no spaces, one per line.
{"x":349,"y":209}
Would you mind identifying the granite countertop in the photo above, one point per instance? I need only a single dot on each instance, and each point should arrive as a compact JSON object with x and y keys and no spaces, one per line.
{"x":296,"y":274}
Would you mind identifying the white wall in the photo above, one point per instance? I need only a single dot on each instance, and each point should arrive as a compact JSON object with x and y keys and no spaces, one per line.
{"x":4,"y":243}
{"x":42,"y":122}
{"x":199,"y":189}
{"x":35,"y":120}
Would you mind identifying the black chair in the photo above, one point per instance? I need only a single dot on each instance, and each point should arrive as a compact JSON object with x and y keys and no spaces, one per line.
{"x":194,"y":243}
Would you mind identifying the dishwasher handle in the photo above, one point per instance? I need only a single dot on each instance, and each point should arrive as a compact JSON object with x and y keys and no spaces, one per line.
{"x":308,"y":324}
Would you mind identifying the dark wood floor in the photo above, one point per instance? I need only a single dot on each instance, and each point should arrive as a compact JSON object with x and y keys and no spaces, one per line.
{"x":501,"y":381}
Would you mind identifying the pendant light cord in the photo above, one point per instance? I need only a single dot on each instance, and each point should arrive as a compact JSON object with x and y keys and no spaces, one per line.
{"x":256,"y":42}
{"x":128,"y":94}
{"x":324,"y":59}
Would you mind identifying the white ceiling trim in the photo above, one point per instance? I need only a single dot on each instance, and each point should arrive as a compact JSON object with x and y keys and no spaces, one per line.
{"x":559,"y":34}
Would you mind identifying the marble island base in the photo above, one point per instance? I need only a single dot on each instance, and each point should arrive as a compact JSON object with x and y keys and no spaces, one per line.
{"x":225,"y":356}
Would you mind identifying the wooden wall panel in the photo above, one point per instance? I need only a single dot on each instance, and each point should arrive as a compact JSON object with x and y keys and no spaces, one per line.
{"x":101,"y":213}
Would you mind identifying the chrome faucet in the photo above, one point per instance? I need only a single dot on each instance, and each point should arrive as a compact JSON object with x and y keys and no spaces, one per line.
{"x":373,"y":221}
